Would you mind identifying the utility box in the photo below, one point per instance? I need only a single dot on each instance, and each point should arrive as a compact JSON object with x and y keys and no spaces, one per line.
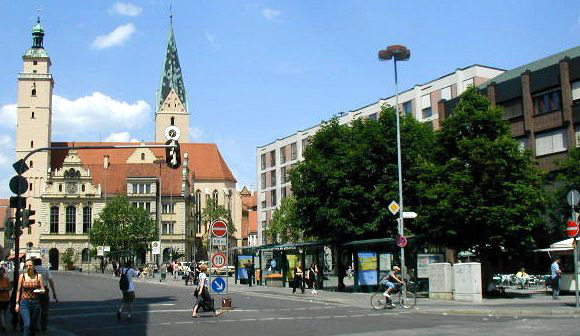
{"x":467,"y":282}
{"x":440,"y":281}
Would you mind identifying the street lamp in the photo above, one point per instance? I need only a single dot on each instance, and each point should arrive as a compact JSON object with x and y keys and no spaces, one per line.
{"x":159,"y":211}
{"x":398,"y":53}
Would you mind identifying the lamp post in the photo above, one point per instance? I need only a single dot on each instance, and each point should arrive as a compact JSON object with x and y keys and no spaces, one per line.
{"x":159,"y":211}
{"x":398,"y":53}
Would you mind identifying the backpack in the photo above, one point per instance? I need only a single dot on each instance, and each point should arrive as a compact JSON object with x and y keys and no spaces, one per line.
{"x":124,"y":281}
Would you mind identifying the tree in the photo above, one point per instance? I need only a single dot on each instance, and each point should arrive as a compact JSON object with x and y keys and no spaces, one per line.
{"x":213,"y":211}
{"x":284,"y":226}
{"x":349,"y":176}
{"x":123,"y":226}
{"x":482,"y":192}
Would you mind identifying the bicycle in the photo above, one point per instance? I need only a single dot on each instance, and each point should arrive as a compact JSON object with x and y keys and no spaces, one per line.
{"x":405,"y":298}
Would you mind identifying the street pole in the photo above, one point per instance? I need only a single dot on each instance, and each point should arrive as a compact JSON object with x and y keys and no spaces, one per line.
{"x":575,"y":244}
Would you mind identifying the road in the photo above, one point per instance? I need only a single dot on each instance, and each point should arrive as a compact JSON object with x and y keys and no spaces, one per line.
{"x":88,"y":305}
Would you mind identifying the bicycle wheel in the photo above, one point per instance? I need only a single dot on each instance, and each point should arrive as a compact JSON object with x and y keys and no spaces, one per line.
{"x":407,"y":300}
{"x":378,"y":301}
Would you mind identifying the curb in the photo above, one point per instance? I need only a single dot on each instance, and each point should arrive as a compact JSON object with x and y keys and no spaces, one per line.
{"x":562,"y":312}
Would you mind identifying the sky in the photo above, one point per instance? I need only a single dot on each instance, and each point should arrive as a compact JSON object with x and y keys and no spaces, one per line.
{"x":255,"y":71}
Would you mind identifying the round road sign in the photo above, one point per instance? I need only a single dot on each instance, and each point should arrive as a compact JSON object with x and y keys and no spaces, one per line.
{"x":573,"y":197}
{"x":18,"y":184}
{"x":219,"y":285}
{"x":572,"y":229}
{"x":402,"y":241}
{"x":219,"y":229}
{"x":219,"y":260}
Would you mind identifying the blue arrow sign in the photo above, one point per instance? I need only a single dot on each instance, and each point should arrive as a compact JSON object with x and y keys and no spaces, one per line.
{"x":218,"y":285}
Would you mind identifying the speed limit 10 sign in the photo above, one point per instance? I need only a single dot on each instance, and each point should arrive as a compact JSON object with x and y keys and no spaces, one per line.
{"x":219,"y":260}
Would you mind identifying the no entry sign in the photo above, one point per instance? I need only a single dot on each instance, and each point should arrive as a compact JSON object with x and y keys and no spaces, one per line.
{"x":572,"y":229}
{"x":402,"y":241}
{"x":219,"y":229}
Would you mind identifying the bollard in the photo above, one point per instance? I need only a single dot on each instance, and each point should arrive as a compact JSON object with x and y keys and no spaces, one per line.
{"x":227,"y":303}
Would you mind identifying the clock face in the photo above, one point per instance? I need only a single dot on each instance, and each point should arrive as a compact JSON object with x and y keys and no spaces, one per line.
{"x":71,"y":188}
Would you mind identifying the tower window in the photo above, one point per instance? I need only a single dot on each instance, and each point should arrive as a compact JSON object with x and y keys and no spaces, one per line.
{"x":31,"y":164}
{"x":142,"y":156}
{"x":83,"y":187}
{"x":60,"y":188}
{"x":34,"y":71}
{"x":30,"y":186}
{"x":31,"y":144}
{"x":172,"y":121}
{"x":33,"y":93}
{"x":32,"y":116}
{"x":34,"y":62}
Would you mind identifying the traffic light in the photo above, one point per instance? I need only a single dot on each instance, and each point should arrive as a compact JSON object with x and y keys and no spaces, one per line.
{"x":26,"y":220}
{"x":173,"y":155}
{"x":8,"y":227}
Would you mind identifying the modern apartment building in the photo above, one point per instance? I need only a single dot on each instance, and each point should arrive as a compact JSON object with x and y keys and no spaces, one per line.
{"x":275,"y":160}
{"x":542,"y":104}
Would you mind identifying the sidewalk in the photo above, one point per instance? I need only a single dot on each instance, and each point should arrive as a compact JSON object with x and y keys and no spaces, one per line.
{"x":517,"y":302}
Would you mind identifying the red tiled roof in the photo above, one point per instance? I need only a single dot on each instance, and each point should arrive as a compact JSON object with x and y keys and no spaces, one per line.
{"x":253,"y":222}
{"x":205,"y":161}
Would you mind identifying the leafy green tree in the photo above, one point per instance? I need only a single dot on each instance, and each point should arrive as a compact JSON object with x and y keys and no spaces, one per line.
{"x":123,"y":226}
{"x":213,"y":211}
{"x":482,"y":192}
{"x":284,"y":227}
{"x":349,"y":176}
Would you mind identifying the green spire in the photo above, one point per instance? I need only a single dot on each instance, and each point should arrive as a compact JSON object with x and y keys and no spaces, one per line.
{"x":172,"y":77}
{"x":37,"y":49}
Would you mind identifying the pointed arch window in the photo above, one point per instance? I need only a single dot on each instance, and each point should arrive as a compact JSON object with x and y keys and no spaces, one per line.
{"x":215,"y":196}
{"x":33,"y":92}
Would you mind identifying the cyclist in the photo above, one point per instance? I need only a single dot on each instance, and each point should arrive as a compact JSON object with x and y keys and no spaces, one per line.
{"x":392,"y":280}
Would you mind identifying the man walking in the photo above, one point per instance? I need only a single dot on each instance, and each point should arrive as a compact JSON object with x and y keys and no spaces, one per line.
{"x":127,"y":286}
{"x":250,"y":267}
{"x":555,"y":275}
{"x":44,"y":297}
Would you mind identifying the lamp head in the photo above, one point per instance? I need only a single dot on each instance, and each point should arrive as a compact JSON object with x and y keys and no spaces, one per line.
{"x":398,"y":52}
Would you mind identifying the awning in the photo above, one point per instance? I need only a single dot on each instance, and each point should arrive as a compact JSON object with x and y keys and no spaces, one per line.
{"x":564,"y":245}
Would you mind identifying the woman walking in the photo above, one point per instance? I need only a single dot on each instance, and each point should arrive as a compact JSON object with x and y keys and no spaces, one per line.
{"x":4,"y":297}
{"x":298,"y":278}
{"x":203,"y":297}
{"x":30,"y":285}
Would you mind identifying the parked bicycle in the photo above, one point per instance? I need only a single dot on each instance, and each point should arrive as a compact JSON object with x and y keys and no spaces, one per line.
{"x":404,"y":296}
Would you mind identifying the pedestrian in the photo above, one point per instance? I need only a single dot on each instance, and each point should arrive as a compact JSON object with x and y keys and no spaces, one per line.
{"x":4,"y":297}
{"x":312,"y":278}
{"x":555,"y":276}
{"x":127,"y":286}
{"x":45,"y":297}
{"x":115,"y":267}
{"x":30,"y":285}
{"x":175,"y":268}
{"x":250,"y":267}
{"x":298,"y":278}
{"x":202,"y":294}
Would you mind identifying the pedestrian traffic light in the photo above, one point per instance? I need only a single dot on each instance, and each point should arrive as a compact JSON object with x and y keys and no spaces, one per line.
{"x":26,"y":220}
{"x":8,"y":227}
{"x":173,"y":155}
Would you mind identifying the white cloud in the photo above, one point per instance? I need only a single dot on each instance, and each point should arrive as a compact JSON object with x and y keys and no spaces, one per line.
{"x":120,"y":137}
{"x":8,"y":115}
{"x":117,"y":37}
{"x":195,"y":133}
{"x":210,"y":38}
{"x":97,"y":112}
{"x":270,"y":14}
{"x":7,"y":150}
{"x":126,"y":9}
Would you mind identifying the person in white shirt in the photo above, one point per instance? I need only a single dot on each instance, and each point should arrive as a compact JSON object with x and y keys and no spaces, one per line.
{"x":129,"y":294}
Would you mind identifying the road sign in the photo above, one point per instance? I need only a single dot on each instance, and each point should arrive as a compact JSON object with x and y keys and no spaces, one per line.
{"x":572,"y":229}
{"x":402,"y":241}
{"x":172,"y":133}
{"x":43,"y":251}
{"x":219,"y":229}
{"x":107,"y":248}
{"x":409,"y":214}
{"x":573,"y":197}
{"x":219,"y":241}
{"x":155,"y":247}
{"x":100,"y":251}
{"x":219,"y":285}
{"x":219,"y":260}
{"x":394,"y":207}
{"x":17,"y":202}
{"x":18,"y":184}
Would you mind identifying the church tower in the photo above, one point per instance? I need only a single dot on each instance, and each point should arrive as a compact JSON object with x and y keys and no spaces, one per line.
{"x":33,"y":130}
{"x":171,"y":101}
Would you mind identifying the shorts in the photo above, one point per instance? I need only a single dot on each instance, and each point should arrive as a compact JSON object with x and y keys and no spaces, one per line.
{"x":389,"y":284}
{"x":128,"y":297}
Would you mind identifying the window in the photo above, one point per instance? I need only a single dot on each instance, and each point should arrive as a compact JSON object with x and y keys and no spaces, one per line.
{"x":31,"y":164}
{"x":263,"y":160}
{"x":148,"y":188}
{"x":512,"y":108}
{"x":304,"y":144}
{"x":33,"y":93}
{"x":273,"y":178}
{"x":283,"y":193}
{"x":283,"y":175}
{"x":229,"y":201}
{"x":143,"y":205}
{"x":60,"y":188}
{"x":215,"y":196}
{"x":576,"y":91}
{"x":282,"y":154}
{"x":551,"y":142}
{"x":522,"y":143}
{"x":71,"y":219}
{"x":141,"y":188}
{"x":34,"y":71}
{"x":408,"y":108}
{"x":468,"y":82}
{"x":87,"y":219}
{"x":172,"y":121}
{"x":426,"y":113}
{"x":32,"y":116}
{"x":372,"y":116}
{"x":54,"y":219}
{"x":547,"y":102}
{"x":168,"y":227}
{"x":85,"y":255}
{"x":272,"y":158}
{"x":31,"y":144}
{"x":142,"y":156}
{"x":294,"y":151}
{"x":273,"y":197}
{"x":168,"y":208}
{"x":134,"y":188}
{"x":34,"y":62}
{"x":83,"y":187}
{"x":263,"y":199}
{"x":198,"y":209}
{"x":446,"y":93}
{"x":263,"y":180}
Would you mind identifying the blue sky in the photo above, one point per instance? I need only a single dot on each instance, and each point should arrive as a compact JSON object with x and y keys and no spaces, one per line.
{"x":255,"y":71}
